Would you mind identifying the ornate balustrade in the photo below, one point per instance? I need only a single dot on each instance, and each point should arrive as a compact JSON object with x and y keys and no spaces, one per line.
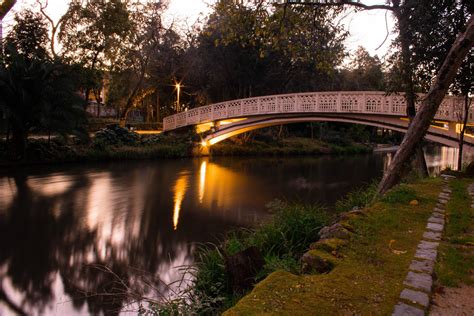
{"x":356,"y":102}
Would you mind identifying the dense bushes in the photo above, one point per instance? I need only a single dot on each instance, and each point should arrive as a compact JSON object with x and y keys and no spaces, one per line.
{"x":115,"y":135}
{"x":287,"y":147}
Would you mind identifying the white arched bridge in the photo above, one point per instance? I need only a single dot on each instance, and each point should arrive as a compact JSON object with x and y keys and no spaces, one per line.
{"x":226,"y":119}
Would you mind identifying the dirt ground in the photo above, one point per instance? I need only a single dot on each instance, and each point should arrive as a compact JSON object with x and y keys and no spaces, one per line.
{"x":453,"y":302}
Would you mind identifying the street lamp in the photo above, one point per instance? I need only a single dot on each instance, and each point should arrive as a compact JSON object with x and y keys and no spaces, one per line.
{"x":178,"y":91}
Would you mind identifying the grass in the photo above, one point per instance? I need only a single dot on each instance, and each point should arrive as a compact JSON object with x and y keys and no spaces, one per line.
{"x":281,"y":241}
{"x":368,"y":276}
{"x":455,"y":263}
{"x":358,"y":198}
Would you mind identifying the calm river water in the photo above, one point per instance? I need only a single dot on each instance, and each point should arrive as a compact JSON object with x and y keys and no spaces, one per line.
{"x":61,"y":228}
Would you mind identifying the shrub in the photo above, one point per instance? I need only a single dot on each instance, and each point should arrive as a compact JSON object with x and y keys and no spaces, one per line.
{"x":115,"y":135}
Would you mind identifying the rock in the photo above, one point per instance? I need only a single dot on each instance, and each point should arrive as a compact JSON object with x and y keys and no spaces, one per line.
{"x":432,"y":235}
{"x":419,"y":281}
{"x":435,"y":227}
{"x":334,"y":231}
{"x":329,"y":245}
{"x":316,"y":261}
{"x":422,"y":266}
{"x":407,"y":310}
{"x":436,"y":219}
{"x":356,"y":212}
{"x":242,"y":268}
{"x":414,"y":202}
{"x":426,"y":254}
{"x":416,"y":297}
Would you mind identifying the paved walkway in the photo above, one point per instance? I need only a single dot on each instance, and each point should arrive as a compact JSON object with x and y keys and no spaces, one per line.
{"x":415,"y":298}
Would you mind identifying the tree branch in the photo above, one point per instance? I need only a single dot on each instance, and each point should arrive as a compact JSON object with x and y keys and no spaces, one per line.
{"x":345,"y":2}
{"x":6,"y":6}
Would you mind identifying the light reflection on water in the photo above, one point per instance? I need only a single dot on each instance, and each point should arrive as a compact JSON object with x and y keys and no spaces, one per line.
{"x":145,"y":219}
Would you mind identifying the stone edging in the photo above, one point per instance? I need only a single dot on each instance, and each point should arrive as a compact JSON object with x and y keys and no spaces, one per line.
{"x":415,"y":297}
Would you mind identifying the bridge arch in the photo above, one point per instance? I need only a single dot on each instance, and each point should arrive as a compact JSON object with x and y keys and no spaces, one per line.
{"x":374,"y":108}
{"x":435,"y":134}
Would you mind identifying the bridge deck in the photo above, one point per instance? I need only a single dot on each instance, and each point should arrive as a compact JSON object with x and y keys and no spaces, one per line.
{"x":355,"y":102}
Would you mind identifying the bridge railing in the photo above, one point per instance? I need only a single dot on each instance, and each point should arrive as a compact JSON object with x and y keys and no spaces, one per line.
{"x":363,"y":102}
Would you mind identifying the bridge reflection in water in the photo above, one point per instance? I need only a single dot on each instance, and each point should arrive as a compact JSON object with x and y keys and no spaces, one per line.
{"x":142,"y":220}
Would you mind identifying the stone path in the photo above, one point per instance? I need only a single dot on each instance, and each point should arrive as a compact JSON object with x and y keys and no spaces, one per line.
{"x":415,"y":298}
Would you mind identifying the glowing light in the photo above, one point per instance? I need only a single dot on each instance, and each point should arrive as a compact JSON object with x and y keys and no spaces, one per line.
{"x":204,"y":143}
{"x":179,"y":189}
{"x":202,"y":180}
{"x":204,"y":127}
{"x":178,"y":92}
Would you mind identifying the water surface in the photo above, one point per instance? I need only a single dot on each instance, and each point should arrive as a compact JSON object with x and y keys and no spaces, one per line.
{"x":71,"y":233}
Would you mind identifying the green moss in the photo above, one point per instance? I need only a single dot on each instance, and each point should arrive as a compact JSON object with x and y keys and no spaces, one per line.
{"x":329,"y":245}
{"x":318,"y":261}
{"x":369,"y":276}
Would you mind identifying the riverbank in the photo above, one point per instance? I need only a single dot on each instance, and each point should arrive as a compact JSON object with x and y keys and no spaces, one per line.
{"x":369,"y":271}
{"x":287,"y":147}
{"x":117,"y":143}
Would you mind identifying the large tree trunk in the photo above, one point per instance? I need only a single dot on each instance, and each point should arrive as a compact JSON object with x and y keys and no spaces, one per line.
{"x":19,"y":137}
{"x":419,"y":161}
{"x":467,"y":105}
{"x":430,"y":105}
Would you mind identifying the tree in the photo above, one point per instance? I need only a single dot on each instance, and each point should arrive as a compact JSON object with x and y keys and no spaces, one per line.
{"x":364,"y":73}
{"x":55,"y":26}
{"x":255,"y":48}
{"x":402,"y":10}
{"x":146,"y":37}
{"x":420,"y":124}
{"x":92,"y":34}
{"x":29,"y":36}
{"x":432,"y":27}
{"x":463,"y":85}
{"x":35,"y":92}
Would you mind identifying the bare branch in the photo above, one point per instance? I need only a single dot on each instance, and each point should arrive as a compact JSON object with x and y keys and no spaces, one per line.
{"x":5,"y":6}
{"x":341,"y":3}
{"x":386,"y":30}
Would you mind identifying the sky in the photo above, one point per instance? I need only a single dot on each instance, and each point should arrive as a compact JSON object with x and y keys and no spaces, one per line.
{"x":367,"y":29}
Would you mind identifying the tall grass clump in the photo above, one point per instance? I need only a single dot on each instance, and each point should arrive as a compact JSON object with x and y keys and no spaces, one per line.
{"x":281,"y":241}
{"x":358,"y":198}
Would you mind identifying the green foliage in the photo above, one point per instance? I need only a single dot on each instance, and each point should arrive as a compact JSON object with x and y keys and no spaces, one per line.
{"x":461,"y":217}
{"x":291,"y":230}
{"x":286,"y":147}
{"x":259,"y":48}
{"x":281,"y":241}
{"x":28,"y":36}
{"x":358,"y":198}
{"x":115,"y":135}
{"x":92,"y":31}
{"x":364,"y":73}
{"x":401,"y":194}
{"x":454,"y":266}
